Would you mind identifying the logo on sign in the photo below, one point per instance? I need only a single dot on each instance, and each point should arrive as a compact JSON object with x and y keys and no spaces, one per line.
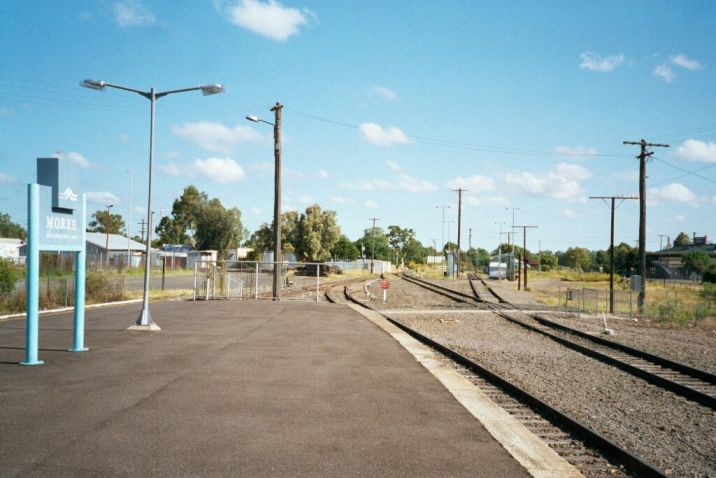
{"x":68,"y":195}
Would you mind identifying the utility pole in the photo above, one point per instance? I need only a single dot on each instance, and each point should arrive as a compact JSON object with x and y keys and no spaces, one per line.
{"x":459,"y":218}
{"x":611,"y":248}
{"x":106,"y":242}
{"x":643,"y":155}
{"x":469,"y":246}
{"x":277,"y":202}
{"x":372,"y":249}
{"x":142,"y":225}
{"x":513,"y":241}
{"x":443,"y":207}
{"x":523,"y":260}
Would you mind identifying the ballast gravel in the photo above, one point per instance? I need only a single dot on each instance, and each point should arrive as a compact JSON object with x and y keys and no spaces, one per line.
{"x":668,"y":431}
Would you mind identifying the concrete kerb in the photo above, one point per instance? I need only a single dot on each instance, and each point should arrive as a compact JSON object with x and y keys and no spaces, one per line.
{"x":529,"y":450}
{"x":22,"y":315}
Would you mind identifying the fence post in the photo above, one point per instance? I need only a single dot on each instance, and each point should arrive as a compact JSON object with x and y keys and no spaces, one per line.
{"x":256,"y":281}
{"x":193,"y":295}
{"x":629,"y":303}
{"x":318,"y":282}
{"x":66,"y":291}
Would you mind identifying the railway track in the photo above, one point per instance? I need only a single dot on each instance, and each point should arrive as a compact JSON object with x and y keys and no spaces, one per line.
{"x":689,"y":382}
{"x":588,"y":451}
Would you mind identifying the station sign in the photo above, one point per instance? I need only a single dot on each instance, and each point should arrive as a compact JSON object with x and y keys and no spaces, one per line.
{"x":62,"y":209}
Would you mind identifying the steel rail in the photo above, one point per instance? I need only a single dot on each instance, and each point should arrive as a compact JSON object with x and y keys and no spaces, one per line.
{"x":603,"y":444}
{"x":654,"y":378}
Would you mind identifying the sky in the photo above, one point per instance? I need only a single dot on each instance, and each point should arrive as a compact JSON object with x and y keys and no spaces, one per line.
{"x":388,"y":108}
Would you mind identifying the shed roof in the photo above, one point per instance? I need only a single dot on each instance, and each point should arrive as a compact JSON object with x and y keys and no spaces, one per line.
{"x":117,"y":242}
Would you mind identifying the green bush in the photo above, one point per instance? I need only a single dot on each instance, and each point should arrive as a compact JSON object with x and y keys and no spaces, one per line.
{"x":672,"y":311}
{"x":8,"y":276}
{"x":709,"y":292}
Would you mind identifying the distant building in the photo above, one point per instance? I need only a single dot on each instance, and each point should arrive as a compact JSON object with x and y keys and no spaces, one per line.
{"x":668,"y":263}
{"x":10,"y":249}
{"x":117,"y":250}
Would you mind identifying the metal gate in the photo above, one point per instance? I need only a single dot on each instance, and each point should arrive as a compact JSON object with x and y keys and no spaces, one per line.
{"x":254,"y":280}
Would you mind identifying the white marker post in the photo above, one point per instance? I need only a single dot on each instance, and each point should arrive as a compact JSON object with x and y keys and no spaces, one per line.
{"x":385,"y":285}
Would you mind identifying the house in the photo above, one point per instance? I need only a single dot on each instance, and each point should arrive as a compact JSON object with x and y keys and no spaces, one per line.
{"x":10,"y":249}
{"x":117,"y":246}
{"x":668,"y":263}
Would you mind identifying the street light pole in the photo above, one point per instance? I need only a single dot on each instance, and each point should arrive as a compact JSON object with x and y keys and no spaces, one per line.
{"x":372,"y":247}
{"x":129,"y":224}
{"x":106,"y":241}
{"x":277,"y":195}
{"x":144,"y":321}
{"x":443,"y":230}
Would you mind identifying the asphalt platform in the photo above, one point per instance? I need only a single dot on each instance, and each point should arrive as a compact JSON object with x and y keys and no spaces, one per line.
{"x":232,"y":389}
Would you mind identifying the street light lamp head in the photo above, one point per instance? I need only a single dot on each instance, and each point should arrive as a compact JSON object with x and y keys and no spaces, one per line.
{"x":207,"y":90}
{"x":93,"y":84}
{"x":253,"y":118}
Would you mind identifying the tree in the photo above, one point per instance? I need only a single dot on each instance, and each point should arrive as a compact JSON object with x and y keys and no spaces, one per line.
{"x":626,"y":259}
{"x":683,"y":239}
{"x":186,"y":210}
{"x":398,"y":238}
{"x":170,"y":231}
{"x":10,"y":229}
{"x":698,"y":262}
{"x":218,"y":228}
{"x":375,"y":236}
{"x":317,"y":233}
{"x":548,"y":261}
{"x":99,"y":223}
{"x":415,"y":252}
{"x":345,"y":250}
{"x":577,"y":257}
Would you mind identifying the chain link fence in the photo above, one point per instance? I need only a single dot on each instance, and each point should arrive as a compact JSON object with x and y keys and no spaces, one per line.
{"x":596,"y":301}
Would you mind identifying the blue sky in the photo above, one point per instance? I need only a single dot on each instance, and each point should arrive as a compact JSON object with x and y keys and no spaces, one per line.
{"x":388,"y":107}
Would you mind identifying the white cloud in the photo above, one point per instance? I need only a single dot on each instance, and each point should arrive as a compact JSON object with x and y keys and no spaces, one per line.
{"x":713,"y":199}
{"x":264,"y":166}
{"x":292,"y":173}
{"x":131,"y":13}
{"x":305,"y":199}
{"x":383,"y":92}
{"x":486,"y":201}
{"x":370,"y":204}
{"x":675,"y":192}
{"x":570,"y":214}
{"x":475,"y":183}
{"x":404,"y":182}
{"x":78,"y":160}
{"x":679,"y":218}
{"x":375,"y":134}
{"x":256,"y":211}
{"x":216,"y":137}
{"x":685,"y":62}
{"x":628,"y":175}
{"x":6,"y":178}
{"x":322,"y":174}
{"x":338,"y":199}
{"x":695,"y":150}
{"x":170,"y":169}
{"x":393,"y":166}
{"x":563,"y":182}
{"x":124,"y":138}
{"x":6,"y":112}
{"x":575,"y":152}
{"x":103,"y":197}
{"x":222,"y":170}
{"x":571,"y":172}
{"x":595,"y":62}
{"x":270,"y":19}
{"x":665,"y":72}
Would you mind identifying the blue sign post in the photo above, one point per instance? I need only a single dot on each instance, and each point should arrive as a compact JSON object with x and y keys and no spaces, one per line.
{"x":56,"y":222}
